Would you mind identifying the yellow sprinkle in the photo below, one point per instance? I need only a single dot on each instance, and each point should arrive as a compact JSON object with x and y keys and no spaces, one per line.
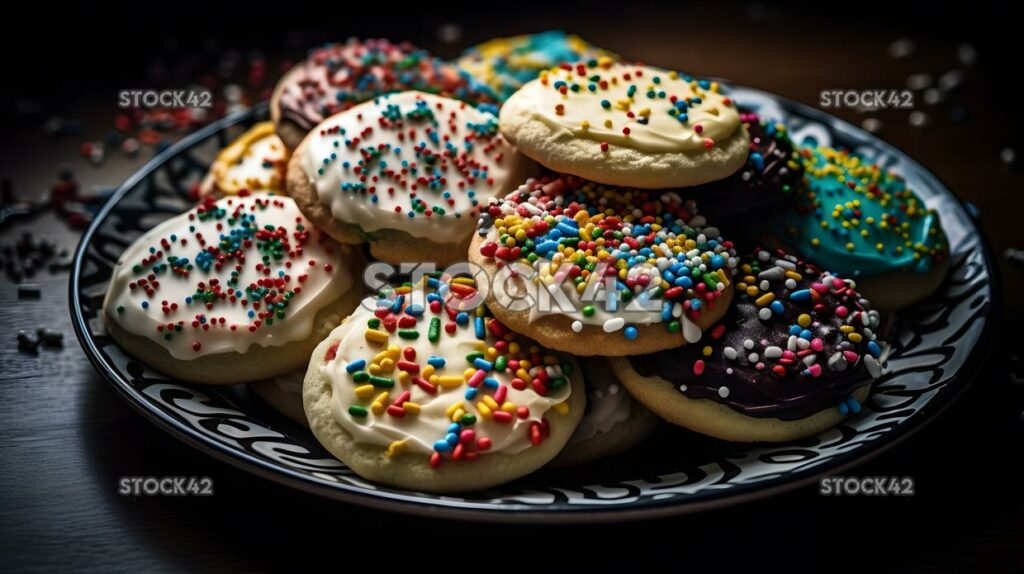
{"x":454,"y":407}
{"x":804,"y":320}
{"x":411,"y":408}
{"x":854,"y":337}
{"x":394,"y":351}
{"x":561,"y":408}
{"x":794,"y":275}
{"x":490,"y":402}
{"x":364,"y":391}
{"x":585,"y":125}
{"x":509,"y":407}
{"x":457,"y":415}
{"x":375,"y":336}
{"x":396,"y":447}
{"x":765,"y":299}
{"x":483,"y":409}
{"x":846,"y":329}
{"x":427,"y":371}
{"x":608,"y":124}
{"x":707,"y":351}
{"x":850,"y":246}
{"x":377,"y":408}
{"x":450,"y":381}
{"x":387,"y":365}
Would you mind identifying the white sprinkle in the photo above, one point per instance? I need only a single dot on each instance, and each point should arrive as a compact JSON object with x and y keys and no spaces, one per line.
{"x":748,"y":344}
{"x":728,"y":371}
{"x":613,"y":325}
{"x":790,"y":284}
{"x":752,"y":357}
{"x":772,"y":352}
{"x":765,"y":313}
{"x":723,"y":392}
{"x":577,"y":326}
{"x":874,"y":369}
{"x":682,"y":388}
{"x":729,"y":353}
{"x":764,"y":255}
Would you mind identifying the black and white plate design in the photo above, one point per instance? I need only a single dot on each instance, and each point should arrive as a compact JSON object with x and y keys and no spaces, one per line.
{"x":936,"y":349}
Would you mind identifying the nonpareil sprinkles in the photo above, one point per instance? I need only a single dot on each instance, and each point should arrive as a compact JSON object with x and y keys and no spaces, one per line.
{"x":651,"y":246}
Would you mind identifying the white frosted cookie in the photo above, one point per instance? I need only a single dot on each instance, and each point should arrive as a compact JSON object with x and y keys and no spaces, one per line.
{"x":420,"y":389}
{"x":627,"y":124}
{"x":408,"y":173}
{"x":235,"y":290}
{"x":613,"y":421}
{"x":255,"y":161}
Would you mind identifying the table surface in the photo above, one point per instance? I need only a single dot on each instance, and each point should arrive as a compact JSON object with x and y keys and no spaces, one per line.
{"x":66,"y":438}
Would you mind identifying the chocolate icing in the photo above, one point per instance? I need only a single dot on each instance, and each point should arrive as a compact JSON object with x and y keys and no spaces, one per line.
{"x":786,"y":386}
{"x":765,"y":182}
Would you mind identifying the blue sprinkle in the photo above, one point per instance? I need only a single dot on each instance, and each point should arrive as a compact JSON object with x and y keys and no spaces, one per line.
{"x":452,"y":438}
{"x":806,"y":334}
{"x":844,"y":409}
{"x":874,"y":349}
{"x":756,"y":160}
{"x":801,"y":295}
{"x":435,"y":361}
{"x":852,"y":404}
{"x":777,"y":307}
{"x":470,"y":394}
{"x":483,"y":364}
{"x":145,"y":304}
{"x":356,"y":366}
{"x":415,"y":310}
{"x":396,"y":307}
{"x":478,"y":326}
{"x":630,"y":333}
{"x":462,"y":318}
{"x":795,"y":330}
{"x":442,"y":446}
{"x":454,"y":427}
{"x":491,"y":383}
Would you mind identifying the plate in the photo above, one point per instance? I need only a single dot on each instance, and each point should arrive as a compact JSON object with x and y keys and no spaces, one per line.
{"x":937,"y":347}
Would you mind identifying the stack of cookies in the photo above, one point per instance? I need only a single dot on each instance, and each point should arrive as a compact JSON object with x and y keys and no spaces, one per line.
{"x":610,"y":245}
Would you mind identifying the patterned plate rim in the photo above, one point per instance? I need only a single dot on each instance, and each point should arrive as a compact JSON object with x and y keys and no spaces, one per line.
{"x":645,"y":509}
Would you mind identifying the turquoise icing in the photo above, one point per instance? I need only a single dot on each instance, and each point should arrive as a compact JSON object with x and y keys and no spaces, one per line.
{"x":858,"y":220}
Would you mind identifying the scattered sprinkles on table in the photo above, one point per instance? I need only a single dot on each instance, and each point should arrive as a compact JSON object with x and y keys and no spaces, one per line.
{"x":426,"y":371}
{"x":651,"y":247}
{"x":633,"y":106}
{"x":861,"y":220}
{"x":795,"y":341}
{"x":247,"y":269}
{"x":505,"y":64}
{"x":410,"y":161}
{"x":255,"y":161}
{"x":335,"y":77}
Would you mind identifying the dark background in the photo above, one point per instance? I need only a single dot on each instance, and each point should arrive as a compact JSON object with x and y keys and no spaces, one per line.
{"x":65,"y":438}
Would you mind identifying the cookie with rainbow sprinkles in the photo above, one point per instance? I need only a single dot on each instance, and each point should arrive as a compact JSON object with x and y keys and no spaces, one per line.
{"x":334,"y":77}
{"x":231,"y":291}
{"x":254,"y":161}
{"x":421,"y":388}
{"x":594,"y":269}
{"x":861,"y":221}
{"x":505,"y":64}
{"x":408,"y":173}
{"x":795,"y":355}
{"x":627,"y":124}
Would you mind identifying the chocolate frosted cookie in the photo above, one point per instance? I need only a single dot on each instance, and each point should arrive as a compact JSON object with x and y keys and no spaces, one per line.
{"x":794,"y":355}
{"x":764,"y":184}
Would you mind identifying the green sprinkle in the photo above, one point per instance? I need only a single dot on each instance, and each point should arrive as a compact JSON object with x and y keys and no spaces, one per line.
{"x":474,"y":356}
{"x":468,"y":419}
{"x":588,"y":311}
{"x":409,"y":333}
{"x":500,"y":363}
{"x":434,"y":333}
{"x":357,"y":411}
{"x":373,"y":323}
{"x":674,"y":326}
{"x":557,"y":383}
{"x":360,"y":376}
{"x":382,"y":382}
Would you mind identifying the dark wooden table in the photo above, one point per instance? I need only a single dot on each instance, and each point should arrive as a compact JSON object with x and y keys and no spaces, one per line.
{"x":66,"y":439}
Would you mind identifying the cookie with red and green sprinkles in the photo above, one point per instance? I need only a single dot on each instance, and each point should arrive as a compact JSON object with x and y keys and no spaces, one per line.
{"x":407,"y":173}
{"x":794,"y":356}
{"x":337,"y":76}
{"x":594,"y":269}
{"x":862,"y":221}
{"x":421,"y":388}
{"x":231,"y":291}
{"x":627,"y":124}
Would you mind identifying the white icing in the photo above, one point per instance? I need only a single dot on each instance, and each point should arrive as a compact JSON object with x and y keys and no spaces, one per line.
{"x":581,"y":113}
{"x":420,"y":431}
{"x":479,"y":166}
{"x":319,"y":288}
